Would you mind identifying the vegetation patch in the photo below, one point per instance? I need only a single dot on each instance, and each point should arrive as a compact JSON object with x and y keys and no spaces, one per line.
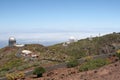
{"x":118,"y":53}
{"x":11,"y":64}
{"x":39,"y":71}
{"x":72,"y":63}
{"x":15,"y":76}
{"x":93,"y":64}
{"x":88,"y":58}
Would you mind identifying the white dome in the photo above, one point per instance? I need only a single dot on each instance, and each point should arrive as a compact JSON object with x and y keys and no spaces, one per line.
{"x":12,"y":39}
{"x":72,"y":38}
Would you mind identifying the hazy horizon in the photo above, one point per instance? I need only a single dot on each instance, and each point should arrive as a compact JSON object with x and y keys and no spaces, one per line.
{"x":45,"y":39}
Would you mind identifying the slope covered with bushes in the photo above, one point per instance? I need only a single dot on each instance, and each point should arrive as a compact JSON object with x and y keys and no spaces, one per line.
{"x":98,"y":45}
{"x":57,"y":53}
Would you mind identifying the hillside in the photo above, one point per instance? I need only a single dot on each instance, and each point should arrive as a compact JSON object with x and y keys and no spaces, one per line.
{"x":9,"y":62}
{"x":98,"y":45}
{"x":55,"y":54}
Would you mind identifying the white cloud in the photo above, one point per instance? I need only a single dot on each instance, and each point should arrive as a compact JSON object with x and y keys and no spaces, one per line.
{"x":48,"y":36}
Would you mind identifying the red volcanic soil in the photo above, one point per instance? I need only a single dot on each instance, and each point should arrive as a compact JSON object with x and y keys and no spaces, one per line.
{"x":108,"y":72}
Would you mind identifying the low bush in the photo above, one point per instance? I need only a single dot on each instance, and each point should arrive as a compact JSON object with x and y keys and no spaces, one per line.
{"x":11,"y":64}
{"x":93,"y":64}
{"x":36,"y":64}
{"x":88,"y":58}
{"x":15,"y":76}
{"x":3,"y":73}
{"x":25,"y":66}
{"x":72,"y":63}
{"x":118,"y":53}
{"x":39,"y":71}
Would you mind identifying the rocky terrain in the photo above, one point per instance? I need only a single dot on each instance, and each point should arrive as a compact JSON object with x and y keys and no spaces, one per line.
{"x":108,"y":72}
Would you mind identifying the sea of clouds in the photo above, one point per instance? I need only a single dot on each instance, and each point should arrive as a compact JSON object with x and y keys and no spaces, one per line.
{"x":44,"y":38}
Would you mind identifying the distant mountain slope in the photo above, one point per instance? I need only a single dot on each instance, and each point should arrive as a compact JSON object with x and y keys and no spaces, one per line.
{"x":98,"y":45}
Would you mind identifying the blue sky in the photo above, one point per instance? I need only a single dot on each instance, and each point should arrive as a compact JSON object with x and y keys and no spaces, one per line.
{"x":59,"y":16}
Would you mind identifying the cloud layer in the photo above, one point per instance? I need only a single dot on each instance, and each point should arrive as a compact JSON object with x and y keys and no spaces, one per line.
{"x":48,"y":36}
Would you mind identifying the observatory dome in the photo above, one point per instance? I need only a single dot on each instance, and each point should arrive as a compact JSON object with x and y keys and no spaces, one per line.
{"x":12,"y":41}
{"x":72,"y":39}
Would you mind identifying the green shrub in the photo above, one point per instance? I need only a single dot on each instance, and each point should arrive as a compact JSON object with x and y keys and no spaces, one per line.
{"x":35,"y":64}
{"x":5,"y":69}
{"x":75,"y":51}
{"x":20,"y":68}
{"x":93,"y":64}
{"x":11,"y":64}
{"x":72,"y":63}
{"x":118,"y":54}
{"x":39,"y":71}
{"x":15,"y":76}
{"x":2,"y":73}
{"x":88,"y":58}
{"x":25,"y":66}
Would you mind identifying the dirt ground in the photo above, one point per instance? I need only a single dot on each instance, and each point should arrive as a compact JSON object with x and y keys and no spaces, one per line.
{"x":108,"y":72}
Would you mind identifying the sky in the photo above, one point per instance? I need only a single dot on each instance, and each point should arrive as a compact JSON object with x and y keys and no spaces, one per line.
{"x":55,"y":18}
